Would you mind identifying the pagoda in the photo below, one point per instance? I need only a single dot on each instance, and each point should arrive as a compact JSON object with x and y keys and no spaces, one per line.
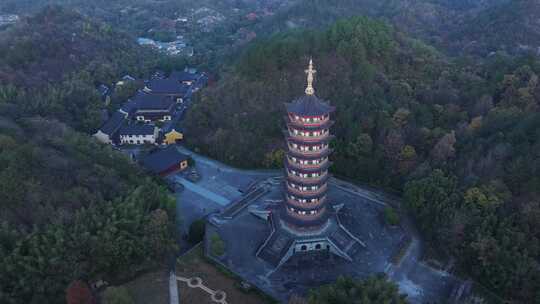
{"x":307,"y":162}
{"x":307,"y":221}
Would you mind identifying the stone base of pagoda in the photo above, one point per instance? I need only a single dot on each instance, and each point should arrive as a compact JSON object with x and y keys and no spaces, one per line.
{"x":288,"y":239}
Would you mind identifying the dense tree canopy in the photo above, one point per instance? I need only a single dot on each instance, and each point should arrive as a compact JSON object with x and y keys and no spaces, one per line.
{"x":72,"y":209}
{"x":372,"y":290}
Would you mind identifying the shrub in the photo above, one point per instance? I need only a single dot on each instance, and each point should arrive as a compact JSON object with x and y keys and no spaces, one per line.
{"x":196,"y":231}
{"x":217,"y":246}
{"x":391,"y":217}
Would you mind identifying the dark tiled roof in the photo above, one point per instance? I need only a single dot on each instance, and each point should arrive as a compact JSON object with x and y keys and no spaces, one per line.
{"x":325,"y":125}
{"x":323,"y":153}
{"x":145,"y":101}
{"x":297,"y":140}
{"x":137,"y":129}
{"x":113,"y":124}
{"x":309,"y":105}
{"x":128,"y":78}
{"x":129,"y":106}
{"x":167,"y":86}
{"x":184,"y":76}
{"x":164,"y":159}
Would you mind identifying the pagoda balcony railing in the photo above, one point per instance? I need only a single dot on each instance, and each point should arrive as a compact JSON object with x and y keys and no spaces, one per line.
{"x":322,"y":137}
{"x":308,"y":217}
{"x":299,"y":205}
{"x":308,"y":166}
{"x":321,"y":190}
{"x":307,"y":180}
{"x":310,"y":153}
{"x":301,"y":124}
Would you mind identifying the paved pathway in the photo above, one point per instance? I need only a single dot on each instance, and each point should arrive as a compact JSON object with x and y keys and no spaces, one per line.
{"x":223,"y":167}
{"x":173,"y":289}
{"x":217,"y":296}
{"x":221,"y":200}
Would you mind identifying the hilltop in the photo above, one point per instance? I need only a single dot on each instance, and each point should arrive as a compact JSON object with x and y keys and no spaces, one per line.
{"x":56,"y":42}
{"x":458,"y":27}
{"x":217,"y":28}
{"x":442,"y":133}
{"x":511,"y":27}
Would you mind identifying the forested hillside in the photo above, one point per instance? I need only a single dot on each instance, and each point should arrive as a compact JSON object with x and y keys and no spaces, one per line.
{"x":71,"y":208}
{"x":459,"y":27}
{"x":51,"y":63}
{"x":458,"y":139}
{"x":512,"y":27}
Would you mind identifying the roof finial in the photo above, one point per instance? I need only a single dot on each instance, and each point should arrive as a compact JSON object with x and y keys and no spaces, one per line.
{"x":310,"y":76}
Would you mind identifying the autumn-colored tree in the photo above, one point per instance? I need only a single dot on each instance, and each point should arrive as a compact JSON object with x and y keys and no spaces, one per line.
{"x":78,"y":292}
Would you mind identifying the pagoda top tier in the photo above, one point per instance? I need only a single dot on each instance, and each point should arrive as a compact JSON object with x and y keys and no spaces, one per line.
{"x":309,"y":104}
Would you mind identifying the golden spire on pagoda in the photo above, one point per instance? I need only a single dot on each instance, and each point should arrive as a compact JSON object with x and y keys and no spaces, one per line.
{"x":310,"y":77}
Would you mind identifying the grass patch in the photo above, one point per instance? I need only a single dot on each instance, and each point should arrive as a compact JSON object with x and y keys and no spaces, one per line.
{"x":152,"y":287}
{"x":196,"y":264}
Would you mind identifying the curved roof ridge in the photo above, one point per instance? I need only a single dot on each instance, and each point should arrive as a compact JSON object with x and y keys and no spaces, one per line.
{"x":309,"y":105}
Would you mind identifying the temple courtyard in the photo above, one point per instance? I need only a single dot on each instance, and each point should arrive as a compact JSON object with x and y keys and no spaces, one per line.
{"x":234,"y":202}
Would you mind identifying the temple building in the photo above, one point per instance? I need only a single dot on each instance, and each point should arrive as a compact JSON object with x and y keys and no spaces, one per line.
{"x":307,"y":221}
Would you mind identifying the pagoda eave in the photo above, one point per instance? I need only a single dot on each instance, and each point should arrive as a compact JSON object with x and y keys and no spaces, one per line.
{"x":324,"y":153}
{"x":305,"y":223}
{"x":305,"y":195}
{"x":313,"y":127}
{"x":298,"y":168}
{"x":305,"y":142}
{"x":307,"y":183}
